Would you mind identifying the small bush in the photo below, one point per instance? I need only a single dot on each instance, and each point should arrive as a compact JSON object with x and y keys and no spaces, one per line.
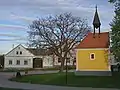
{"x":18,"y":74}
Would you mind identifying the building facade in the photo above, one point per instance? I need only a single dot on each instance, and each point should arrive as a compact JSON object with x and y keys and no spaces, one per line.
{"x":21,"y":57}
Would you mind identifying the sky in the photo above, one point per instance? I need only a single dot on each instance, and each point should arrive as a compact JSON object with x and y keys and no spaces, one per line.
{"x":17,"y":15}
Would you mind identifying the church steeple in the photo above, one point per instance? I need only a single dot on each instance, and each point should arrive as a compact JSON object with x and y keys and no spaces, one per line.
{"x":96,"y":22}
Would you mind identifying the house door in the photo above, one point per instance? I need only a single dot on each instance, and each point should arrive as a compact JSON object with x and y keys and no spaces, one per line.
{"x":37,"y":63}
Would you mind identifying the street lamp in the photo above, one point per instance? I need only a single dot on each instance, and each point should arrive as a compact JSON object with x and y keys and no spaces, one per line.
{"x":67,"y":60}
{"x":66,"y":71}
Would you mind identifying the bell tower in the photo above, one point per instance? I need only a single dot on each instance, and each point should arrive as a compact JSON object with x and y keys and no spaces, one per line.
{"x":96,"y":22}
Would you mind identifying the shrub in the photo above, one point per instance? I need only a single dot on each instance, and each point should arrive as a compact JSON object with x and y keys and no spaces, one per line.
{"x":18,"y":74}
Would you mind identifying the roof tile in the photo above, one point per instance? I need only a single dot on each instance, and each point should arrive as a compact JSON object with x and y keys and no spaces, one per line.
{"x":98,"y":42}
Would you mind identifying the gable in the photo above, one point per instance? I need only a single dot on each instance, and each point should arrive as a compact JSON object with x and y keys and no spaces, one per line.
{"x":19,"y":51}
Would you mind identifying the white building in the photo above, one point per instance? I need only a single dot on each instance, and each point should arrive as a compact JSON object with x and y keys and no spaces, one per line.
{"x":21,"y":57}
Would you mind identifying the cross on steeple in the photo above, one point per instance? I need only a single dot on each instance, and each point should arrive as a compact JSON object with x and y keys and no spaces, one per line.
{"x":96,"y":22}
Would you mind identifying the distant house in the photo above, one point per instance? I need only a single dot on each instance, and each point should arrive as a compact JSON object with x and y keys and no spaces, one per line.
{"x":71,"y":59}
{"x":21,"y":57}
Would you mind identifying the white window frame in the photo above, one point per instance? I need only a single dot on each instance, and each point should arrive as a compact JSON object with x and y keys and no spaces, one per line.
{"x":90,"y":56}
{"x":20,"y":52}
{"x":24,"y":62}
{"x":59,"y":61}
{"x":17,"y":52}
{"x":9,"y":62}
{"x":16,"y":62}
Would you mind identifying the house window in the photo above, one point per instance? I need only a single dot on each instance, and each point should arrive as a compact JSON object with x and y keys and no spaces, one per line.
{"x":68,"y":60}
{"x":18,"y":47}
{"x":20,"y":52}
{"x":74,"y":60}
{"x":10,"y":62}
{"x":18,"y":62}
{"x":25,"y":62}
{"x":92,"y":56}
{"x":59,"y":60}
{"x":16,"y":52}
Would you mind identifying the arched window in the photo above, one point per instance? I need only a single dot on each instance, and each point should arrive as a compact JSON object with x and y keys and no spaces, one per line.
{"x":92,"y":56}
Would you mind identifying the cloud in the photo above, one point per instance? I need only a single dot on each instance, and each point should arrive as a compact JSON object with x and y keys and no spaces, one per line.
{"x":13,"y":37}
{"x":24,"y":18}
{"x":9,"y":35}
{"x":15,"y":27}
{"x":17,"y":39}
{"x":6,"y":40}
{"x":28,"y":10}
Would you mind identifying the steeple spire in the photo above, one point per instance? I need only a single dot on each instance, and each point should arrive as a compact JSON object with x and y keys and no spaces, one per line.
{"x":96,"y":21}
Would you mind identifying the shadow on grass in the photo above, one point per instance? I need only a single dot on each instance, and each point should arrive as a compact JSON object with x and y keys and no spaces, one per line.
{"x":1,"y":88}
{"x":59,"y":79}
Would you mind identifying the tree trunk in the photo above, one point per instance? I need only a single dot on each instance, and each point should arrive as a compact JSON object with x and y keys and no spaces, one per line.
{"x":62,"y":65}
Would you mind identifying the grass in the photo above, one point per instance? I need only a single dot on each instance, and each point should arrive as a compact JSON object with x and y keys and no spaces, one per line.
{"x":9,"y":89}
{"x":77,"y":81}
{"x":71,"y":67}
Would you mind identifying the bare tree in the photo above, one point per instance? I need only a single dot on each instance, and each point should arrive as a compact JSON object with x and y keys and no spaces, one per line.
{"x":60,"y":32}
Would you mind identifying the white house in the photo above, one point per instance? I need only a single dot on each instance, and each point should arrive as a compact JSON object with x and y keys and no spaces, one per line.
{"x":21,"y":57}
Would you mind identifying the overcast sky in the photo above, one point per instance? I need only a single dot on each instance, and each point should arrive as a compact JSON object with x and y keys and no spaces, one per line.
{"x":16,"y":15}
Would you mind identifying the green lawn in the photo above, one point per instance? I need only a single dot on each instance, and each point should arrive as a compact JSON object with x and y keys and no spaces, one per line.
{"x":8,"y":89}
{"x":78,"y":81}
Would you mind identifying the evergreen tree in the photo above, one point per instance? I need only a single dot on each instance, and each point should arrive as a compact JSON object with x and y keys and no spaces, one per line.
{"x":115,"y":26}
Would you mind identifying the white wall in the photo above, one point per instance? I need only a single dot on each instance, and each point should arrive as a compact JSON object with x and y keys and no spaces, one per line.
{"x":59,"y":63}
{"x":47,"y":61}
{"x":73,"y":53}
{"x":14,"y":60}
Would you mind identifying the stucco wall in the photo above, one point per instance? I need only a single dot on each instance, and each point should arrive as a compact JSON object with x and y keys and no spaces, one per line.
{"x":14,"y":59}
{"x":84,"y":63}
{"x":47,"y":61}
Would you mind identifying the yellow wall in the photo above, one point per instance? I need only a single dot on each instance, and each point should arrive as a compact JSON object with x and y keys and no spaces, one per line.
{"x":85,"y":64}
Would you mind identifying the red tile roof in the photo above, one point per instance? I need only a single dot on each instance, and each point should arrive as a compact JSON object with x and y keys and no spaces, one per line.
{"x":98,"y":42}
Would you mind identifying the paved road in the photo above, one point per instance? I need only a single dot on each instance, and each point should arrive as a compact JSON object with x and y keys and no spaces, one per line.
{"x":4,"y":82}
